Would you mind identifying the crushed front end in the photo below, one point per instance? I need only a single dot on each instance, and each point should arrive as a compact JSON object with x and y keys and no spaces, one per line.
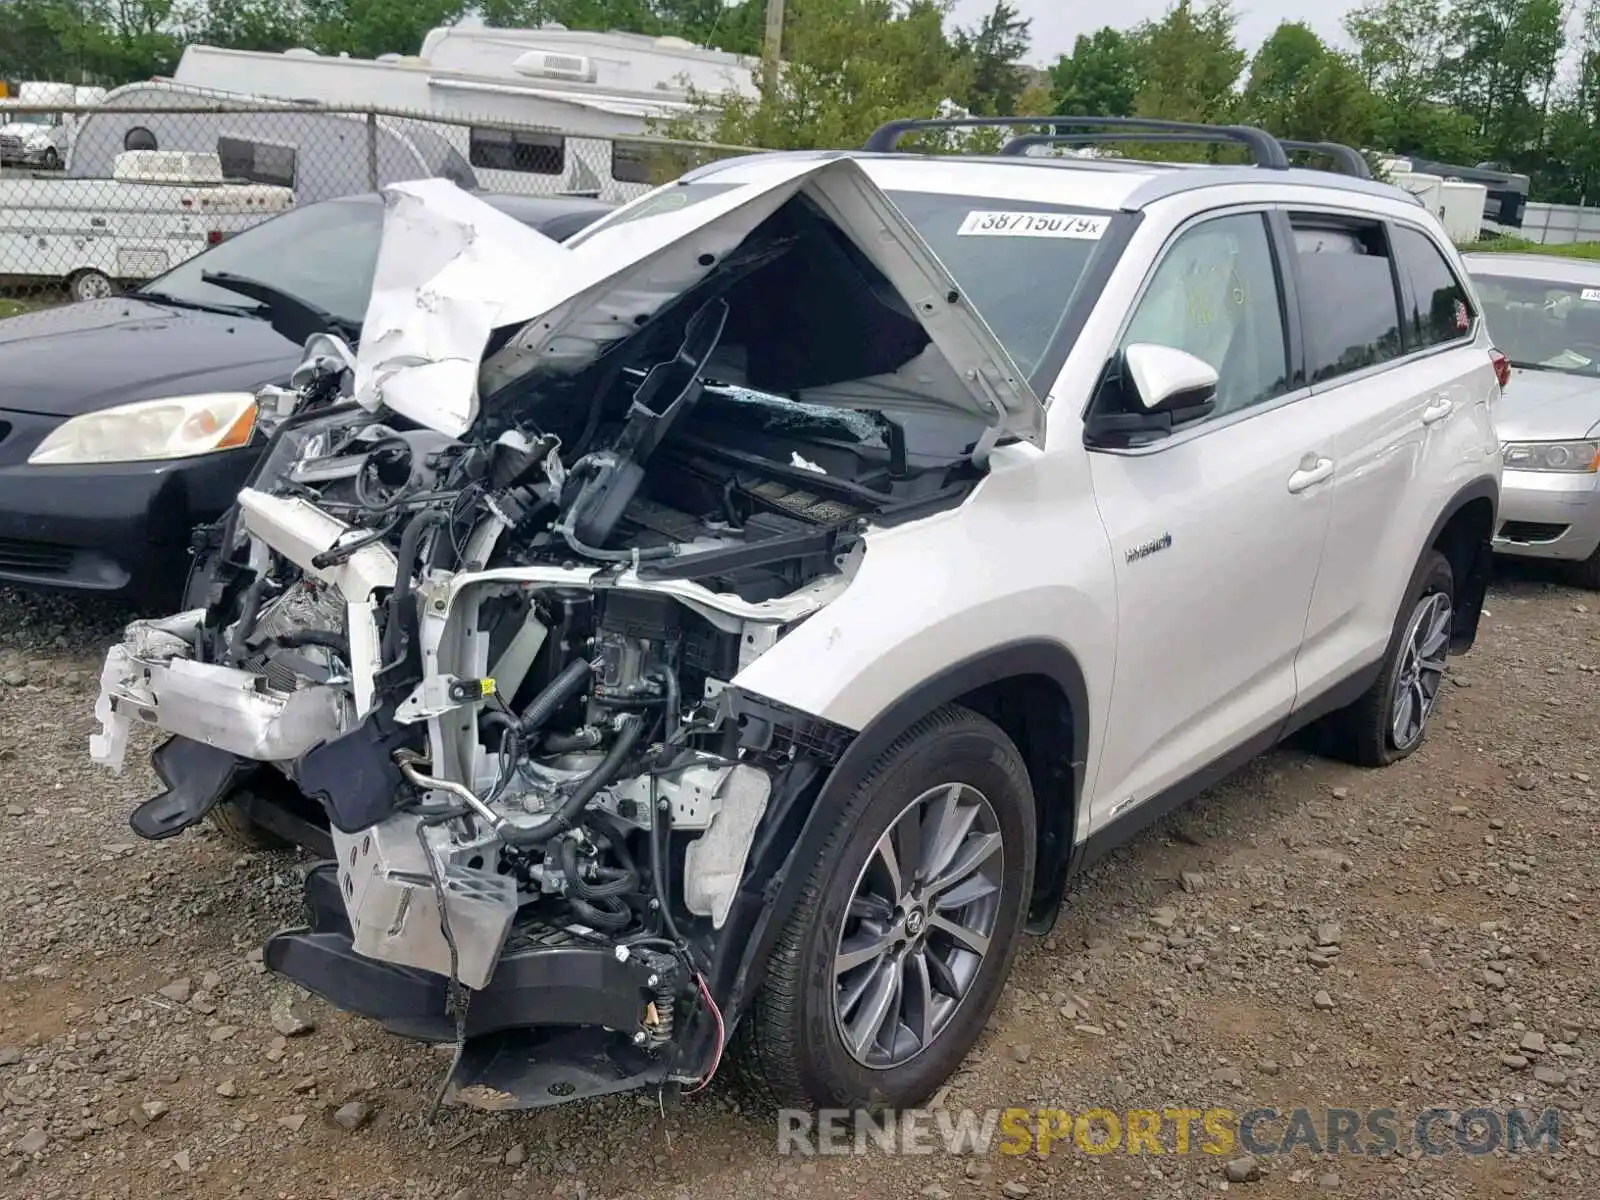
{"x":478,"y":634}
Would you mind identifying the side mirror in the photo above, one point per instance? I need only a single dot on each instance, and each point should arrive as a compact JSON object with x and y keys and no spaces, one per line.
{"x":1164,"y":380}
{"x":1160,"y":389}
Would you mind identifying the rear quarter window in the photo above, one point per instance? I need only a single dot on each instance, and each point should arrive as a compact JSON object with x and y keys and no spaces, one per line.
{"x":1438,"y":311}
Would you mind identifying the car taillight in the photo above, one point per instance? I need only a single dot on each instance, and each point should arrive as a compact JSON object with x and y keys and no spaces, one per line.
{"x":214,"y":238}
{"x":1502,"y":368}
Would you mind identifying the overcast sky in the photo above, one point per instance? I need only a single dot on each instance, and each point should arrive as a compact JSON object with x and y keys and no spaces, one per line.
{"x":1057,"y":23}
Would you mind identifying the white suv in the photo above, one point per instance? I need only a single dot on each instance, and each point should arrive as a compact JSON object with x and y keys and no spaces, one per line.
{"x":747,"y":616}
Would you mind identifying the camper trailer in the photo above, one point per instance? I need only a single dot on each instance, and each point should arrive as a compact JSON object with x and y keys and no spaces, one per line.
{"x":318,"y":155}
{"x":154,"y":209}
{"x":545,"y":111}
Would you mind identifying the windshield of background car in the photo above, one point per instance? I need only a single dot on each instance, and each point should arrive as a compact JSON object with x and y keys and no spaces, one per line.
{"x":1543,"y":325}
{"x":324,"y":254}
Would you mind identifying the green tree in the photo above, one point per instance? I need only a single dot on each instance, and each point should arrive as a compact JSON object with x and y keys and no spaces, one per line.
{"x":1189,"y":62}
{"x":1099,"y":78}
{"x":849,"y":66}
{"x":270,"y":25}
{"x":368,"y":28}
{"x":1499,"y":69}
{"x":994,"y":50}
{"x":1400,"y":48}
{"x":1299,"y":88}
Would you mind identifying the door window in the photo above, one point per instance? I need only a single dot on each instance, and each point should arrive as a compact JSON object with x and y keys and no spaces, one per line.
{"x":1215,"y":295}
{"x":1348,"y":300}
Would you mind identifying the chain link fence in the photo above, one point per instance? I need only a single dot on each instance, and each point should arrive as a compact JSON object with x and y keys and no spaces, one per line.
{"x":99,"y":200}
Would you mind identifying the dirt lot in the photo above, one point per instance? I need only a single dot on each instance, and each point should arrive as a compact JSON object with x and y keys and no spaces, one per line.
{"x":1445,"y":910}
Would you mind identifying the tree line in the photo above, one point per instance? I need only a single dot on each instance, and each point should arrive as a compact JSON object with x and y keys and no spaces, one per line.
{"x":1460,"y":81}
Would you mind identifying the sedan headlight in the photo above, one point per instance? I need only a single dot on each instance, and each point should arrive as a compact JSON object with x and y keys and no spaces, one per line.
{"x":1574,"y":458}
{"x":151,"y":430}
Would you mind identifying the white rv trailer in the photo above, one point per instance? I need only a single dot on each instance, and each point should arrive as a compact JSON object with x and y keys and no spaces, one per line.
{"x":574,"y":94}
{"x":319,"y":155}
{"x":155,"y":209}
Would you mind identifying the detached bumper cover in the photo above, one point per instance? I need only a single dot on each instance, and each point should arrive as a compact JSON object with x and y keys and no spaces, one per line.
{"x":145,"y":682}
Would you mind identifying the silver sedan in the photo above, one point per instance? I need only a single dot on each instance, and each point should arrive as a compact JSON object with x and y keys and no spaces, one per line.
{"x":1544,"y":315}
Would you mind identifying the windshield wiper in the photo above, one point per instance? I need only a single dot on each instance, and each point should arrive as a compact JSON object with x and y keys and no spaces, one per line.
{"x":231,"y":310}
{"x":292,"y":317}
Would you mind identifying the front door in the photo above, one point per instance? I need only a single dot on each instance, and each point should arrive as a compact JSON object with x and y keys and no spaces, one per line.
{"x":1217,"y":531}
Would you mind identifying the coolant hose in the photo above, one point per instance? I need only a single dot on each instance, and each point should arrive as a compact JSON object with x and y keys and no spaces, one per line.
{"x":249,"y":610}
{"x":556,"y":693}
{"x":565,"y":817}
{"x":409,"y":541}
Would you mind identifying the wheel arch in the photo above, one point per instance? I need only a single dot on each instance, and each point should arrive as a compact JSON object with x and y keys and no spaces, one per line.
{"x":1033,"y":689}
{"x":1464,"y":533}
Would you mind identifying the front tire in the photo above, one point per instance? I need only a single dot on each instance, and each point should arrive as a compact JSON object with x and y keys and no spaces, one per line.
{"x":91,"y":285}
{"x":1586,"y":574}
{"x":1388,"y":722}
{"x":885,"y":974}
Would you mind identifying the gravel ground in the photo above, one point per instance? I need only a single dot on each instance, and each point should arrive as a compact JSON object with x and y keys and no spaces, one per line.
{"x":1307,"y":935}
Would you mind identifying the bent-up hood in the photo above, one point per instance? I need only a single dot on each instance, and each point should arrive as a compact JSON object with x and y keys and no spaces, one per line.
{"x":835,"y":299}
{"x":1548,"y":406}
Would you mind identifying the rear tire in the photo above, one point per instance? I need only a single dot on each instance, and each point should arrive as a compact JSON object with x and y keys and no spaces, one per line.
{"x":1390,"y":720}
{"x":887,"y":973}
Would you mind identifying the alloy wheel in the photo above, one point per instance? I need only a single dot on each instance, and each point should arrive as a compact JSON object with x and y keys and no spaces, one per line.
{"x":1422,"y":667}
{"x":921,"y":917}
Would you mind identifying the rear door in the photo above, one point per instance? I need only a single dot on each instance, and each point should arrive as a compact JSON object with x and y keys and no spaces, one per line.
{"x":1216,"y":531}
{"x":1390,"y":350}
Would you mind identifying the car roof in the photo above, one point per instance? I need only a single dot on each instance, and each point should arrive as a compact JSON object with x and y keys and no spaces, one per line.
{"x":1102,"y":183}
{"x":1545,"y":267}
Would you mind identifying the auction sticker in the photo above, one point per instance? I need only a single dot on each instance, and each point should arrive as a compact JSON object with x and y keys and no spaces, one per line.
{"x":1591,"y":295}
{"x":1033,"y":225}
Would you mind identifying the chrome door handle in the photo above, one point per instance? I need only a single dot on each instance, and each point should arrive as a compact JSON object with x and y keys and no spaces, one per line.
{"x":1312,"y":471}
{"x":1438,"y":409}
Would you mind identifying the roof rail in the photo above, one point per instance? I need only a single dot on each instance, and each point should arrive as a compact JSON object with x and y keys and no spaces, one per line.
{"x":1346,"y":160}
{"x":1264,"y":149}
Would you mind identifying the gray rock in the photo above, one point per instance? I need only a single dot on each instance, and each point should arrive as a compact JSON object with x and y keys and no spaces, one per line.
{"x":1022,"y":1052}
{"x":1192,"y":881}
{"x":10,"y":1056}
{"x":1242,"y":1170}
{"x":1329,"y":1181}
{"x":934,"y":1192}
{"x":32,"y":1142}
{"x":1533,"y":1042}
{"x":1329,"y":934}
{"x":1323,"y":1001}
{"x":1550,"y":1077}
{"x":289,"y":1019}
{"x":516,"y":1156}
{"x":178,"y":991}
{"x":1015,"y":1190}
{"x":223,"y":1033}
{"x":15,"y":678}
{"x":1515,"y":1061}
{"x":183,"y":1162}
{"x":228,"y":1089}
{"x":353,"y":1116}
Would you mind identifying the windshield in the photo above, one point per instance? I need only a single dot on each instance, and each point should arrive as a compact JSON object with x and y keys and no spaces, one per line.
{"x":1020,"y":262}
{"x":28,"y":118}
{"x":323,"y":254}
{"x":1543,"y":325}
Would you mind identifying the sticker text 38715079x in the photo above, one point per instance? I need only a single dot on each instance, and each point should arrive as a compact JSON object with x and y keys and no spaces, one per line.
{"x":1033,"y":225}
